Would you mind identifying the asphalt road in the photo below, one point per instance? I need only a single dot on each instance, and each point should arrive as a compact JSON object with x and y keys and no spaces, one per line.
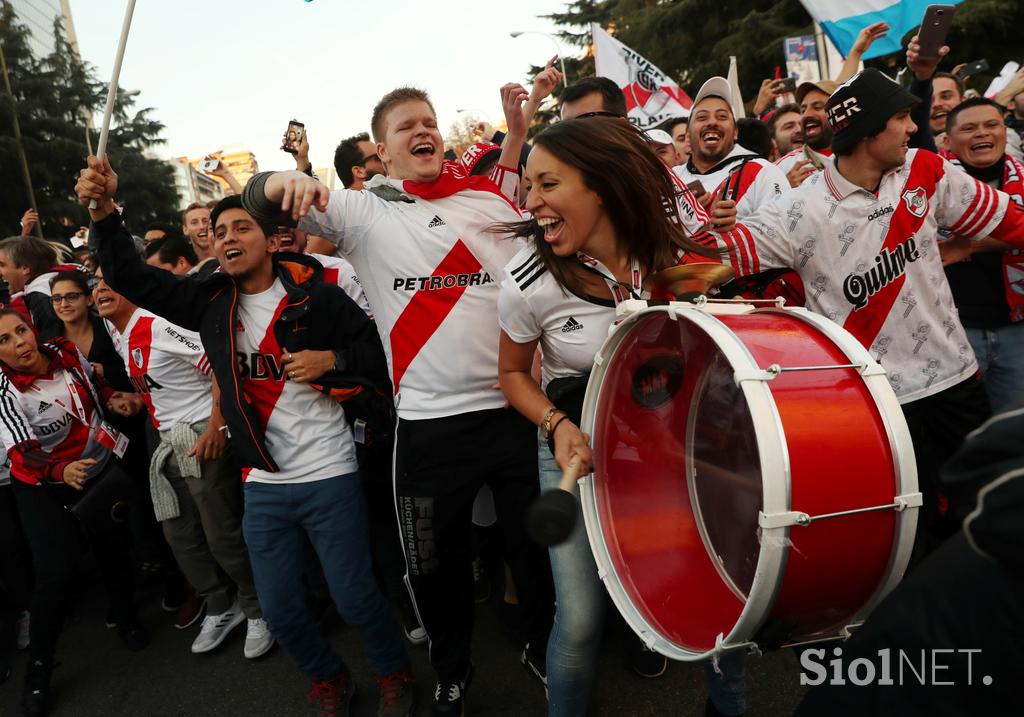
{"x":98,"y":677}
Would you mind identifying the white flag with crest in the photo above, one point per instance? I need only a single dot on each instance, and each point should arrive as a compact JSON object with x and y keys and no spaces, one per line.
{"x":651,"y":96}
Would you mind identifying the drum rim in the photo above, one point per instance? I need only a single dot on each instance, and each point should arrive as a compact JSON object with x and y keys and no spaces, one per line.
{"x":900,"y":443}
{"x":773,"y":455}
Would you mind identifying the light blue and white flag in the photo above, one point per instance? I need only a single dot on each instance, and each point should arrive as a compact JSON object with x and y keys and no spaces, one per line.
{"x":843,"y":19}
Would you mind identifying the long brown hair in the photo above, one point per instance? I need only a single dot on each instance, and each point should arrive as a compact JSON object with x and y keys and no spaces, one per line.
{"x":634,"y":186}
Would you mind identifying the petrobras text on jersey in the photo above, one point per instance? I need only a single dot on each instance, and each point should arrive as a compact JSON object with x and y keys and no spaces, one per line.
{"x":436,"y":283}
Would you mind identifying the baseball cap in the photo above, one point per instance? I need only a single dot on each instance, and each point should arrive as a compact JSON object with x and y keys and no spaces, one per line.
{"x":476,"y":153}
{"x":658,"y":136}
{"x":714,"y":87}
{"x":826,"y":86}
{"x":862,"y":104}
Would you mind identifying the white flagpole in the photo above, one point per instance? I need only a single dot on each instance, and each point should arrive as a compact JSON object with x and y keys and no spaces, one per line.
{"x":101,"y":148}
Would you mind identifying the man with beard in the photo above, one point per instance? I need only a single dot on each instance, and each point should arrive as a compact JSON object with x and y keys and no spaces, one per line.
{"x":787,"y":132}
{"x":718,"y":162}
{"x":987,"y":284}
{"x":947,"y":93}
{"x":801,"y":162}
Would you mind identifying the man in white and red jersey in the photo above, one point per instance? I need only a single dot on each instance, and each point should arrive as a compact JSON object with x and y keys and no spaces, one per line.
{"x":260,"y":317}
{"x":171,"y":375}
{"x":718,"y":163}
{"x":421,"y":243}
{"x":861,"y":234}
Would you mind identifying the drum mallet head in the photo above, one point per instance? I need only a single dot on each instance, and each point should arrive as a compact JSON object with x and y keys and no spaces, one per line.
{"x":552,"y":517}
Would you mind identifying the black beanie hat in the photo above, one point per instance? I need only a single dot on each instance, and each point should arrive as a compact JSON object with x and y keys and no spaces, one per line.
{"x":861,"y":105}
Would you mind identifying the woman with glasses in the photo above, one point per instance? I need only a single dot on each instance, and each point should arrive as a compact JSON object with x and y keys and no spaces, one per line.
{"x":68,"y":484}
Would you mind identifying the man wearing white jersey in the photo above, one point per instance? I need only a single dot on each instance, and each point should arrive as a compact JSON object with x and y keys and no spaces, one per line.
{"x":861,"y":234}
{"x":258,"y":317}
{"x":718,"y":163}
{"x":419,"y":240}
{"x":171,"y":375}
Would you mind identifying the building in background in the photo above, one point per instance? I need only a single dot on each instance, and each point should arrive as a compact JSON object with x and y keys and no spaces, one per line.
{"x":38,"y":16}
{"x":192,"y":185}
{"x":326,"y":175}
{"x":241,"y":162}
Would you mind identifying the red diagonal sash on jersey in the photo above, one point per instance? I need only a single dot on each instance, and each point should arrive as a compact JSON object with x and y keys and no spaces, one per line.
{"x":428,"y":309}
{"x":141,"y":339}
{"x":264,"y":393}
{"x":867,"y":321}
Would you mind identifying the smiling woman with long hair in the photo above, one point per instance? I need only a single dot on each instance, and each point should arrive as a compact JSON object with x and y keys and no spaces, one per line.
{"x":604,"y":217}
{"x":66,"y":485}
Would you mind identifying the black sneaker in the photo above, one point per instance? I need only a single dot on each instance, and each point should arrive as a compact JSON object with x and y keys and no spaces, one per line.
{"x":35,"y":697}
{"x":536,"y":665}
{"x":449,"y":697}
{"x":133,"y":635}
{"x":648,"y":663}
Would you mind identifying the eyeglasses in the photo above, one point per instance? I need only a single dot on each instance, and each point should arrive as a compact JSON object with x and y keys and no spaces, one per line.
{"x":364,"y":160}
{"x":598,"y":113}
{"x":70,"y":297}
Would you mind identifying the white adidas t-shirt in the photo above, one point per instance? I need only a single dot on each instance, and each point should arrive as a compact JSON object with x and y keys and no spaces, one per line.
{"x":168,"y":367}
{"x":306,"y":431}
{"x":532,"y":305}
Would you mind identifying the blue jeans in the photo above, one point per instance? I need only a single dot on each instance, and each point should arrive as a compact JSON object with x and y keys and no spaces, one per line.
{"x":579,"y":615}
{"x":332,"y":514}
{"x":1000,"y":355}
{"x":576,"y":635}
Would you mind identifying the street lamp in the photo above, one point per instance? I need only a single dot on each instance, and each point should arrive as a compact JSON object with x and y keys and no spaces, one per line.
{"x":558,"y":49}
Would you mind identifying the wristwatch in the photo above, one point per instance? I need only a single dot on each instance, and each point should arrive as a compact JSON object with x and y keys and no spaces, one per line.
{"x":545,"y":424}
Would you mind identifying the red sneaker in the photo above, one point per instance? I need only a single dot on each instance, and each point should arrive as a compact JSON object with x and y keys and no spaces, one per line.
{"x":397,"y":695}
{"x":334,"y":696}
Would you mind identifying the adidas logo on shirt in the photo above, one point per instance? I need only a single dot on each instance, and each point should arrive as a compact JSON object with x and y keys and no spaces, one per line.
{"x":571,"y":325}
{"x":44,"y":406}
{"x":436,"y":222}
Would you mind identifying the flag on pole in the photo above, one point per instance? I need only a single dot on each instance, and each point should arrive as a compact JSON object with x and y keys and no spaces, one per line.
{"x":734,"y":88}
{"x":651,"y":97}
{"x":843,"y":19}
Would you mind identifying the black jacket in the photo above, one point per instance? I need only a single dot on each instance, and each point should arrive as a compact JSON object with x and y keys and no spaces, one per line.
{"x":318,"y":316}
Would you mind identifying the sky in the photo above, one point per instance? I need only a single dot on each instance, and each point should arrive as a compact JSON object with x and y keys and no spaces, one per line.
{"x":227,"y":73}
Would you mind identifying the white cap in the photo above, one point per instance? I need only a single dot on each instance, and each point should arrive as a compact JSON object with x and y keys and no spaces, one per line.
{"x":714,"y":87}
{"x":658,"y":136}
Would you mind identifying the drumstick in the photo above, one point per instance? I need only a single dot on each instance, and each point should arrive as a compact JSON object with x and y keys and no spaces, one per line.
{"x":552,"y":517}
{"x":101,"y":148}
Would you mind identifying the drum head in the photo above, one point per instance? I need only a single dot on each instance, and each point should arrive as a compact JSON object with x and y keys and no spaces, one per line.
{"x":677,"y":481}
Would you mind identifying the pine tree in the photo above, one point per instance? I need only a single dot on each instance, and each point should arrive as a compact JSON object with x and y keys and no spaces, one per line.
{"x":53,"y":96}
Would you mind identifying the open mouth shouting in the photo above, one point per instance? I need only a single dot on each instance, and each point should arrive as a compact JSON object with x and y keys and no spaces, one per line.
{"x":424,"y":150}
{"x":811,"y":126}
{"x":712,"y":138}
{"x":232,"y":255}
{"x":552,"y":228}
{"x":105,"y":303}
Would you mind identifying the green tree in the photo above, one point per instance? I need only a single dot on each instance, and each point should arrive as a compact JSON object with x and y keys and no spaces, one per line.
{"x":52,"y":96}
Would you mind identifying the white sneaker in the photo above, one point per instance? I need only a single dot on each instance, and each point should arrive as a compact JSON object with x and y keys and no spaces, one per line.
{"x":258,"y":639}
{"x":216,"y":627}
{"x":23,"y":630}
{"x":417,"y":635}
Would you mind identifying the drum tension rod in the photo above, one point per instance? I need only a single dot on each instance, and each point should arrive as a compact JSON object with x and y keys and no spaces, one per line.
{"x":796,"y":517}
{"x":774,"y":370}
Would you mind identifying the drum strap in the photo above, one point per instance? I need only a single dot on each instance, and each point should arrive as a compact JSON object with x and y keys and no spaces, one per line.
{"x":620,"y":290}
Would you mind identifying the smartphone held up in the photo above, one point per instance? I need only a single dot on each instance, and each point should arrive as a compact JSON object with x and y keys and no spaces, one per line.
{"x":938,"y":19}
{"x":293,"y":137}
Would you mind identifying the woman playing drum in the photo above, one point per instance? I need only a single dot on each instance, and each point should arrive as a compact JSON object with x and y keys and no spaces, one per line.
{"x":604,"y":218}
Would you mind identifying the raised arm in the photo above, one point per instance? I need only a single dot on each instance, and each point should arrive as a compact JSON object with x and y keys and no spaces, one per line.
{"x":180,"y":300}
{"x":864,"y":40}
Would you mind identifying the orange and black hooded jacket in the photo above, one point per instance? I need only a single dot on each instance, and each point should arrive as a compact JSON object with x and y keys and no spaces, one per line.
{"x":318,"y":317}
